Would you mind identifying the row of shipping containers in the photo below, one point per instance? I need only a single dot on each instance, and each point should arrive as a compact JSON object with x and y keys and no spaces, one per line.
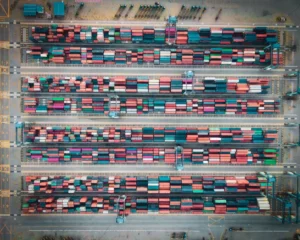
{"x":152,"y":155}
{"x":140,"y":106}
{"x":73,"y":134}
{"x":145,"y":205}
{"x":209,"y":56}
{"x":151,"y":35}
{"x":250,"y":184}
{"x":145,"y":84}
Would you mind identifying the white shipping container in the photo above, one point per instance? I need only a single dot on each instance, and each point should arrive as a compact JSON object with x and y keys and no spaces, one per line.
{"x":219,"y":190}
{"x":245,"y":128}
{"x":215,"y":139}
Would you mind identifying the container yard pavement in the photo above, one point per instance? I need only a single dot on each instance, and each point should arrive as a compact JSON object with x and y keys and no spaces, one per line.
{"x":237,"y":11}
{"x":141,"y":170}
{"x":138,"y":226}
{"x":144,"y":226}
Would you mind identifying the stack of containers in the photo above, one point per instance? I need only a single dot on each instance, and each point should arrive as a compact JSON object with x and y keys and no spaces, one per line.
{"x":137,"y":35}
{"x":148,"y":35}
{"x":159,"y":36}
{"x":145,"y":85}
{"x":182,"y":36}
{"x":213,"y":56}
{"x":125,"y":35}
{"x":165,"y":57}
{"x":216,"y":35}
{"x":250,"y":184}
{"x":239,"y":35}
{"x":227,"y":36}
{"x":104,"y":205}
{"x":83,"y":34}
{"x":98,"y":34}
{"x":193,"y":36}
{"x":170,"y":33}
{"x":277,"y":57}
{"x":72,"y":105}
{"x":52,"y":134}
{"x":145,"y":106}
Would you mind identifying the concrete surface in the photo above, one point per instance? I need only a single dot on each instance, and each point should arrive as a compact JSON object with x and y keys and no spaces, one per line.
{"x":146,"y":227}
{"x":235,"y":12}
{"x":250,"y":11}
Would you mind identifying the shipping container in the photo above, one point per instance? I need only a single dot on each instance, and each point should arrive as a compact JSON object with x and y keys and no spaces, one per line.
{"x":150,"y":105}
{"x":209,"y":56}
{"x":152,"y":155}
{"x":249,"y":184}
{"x":71,"y":134}
{"x":105,"y":35}
{"x":143,"y":205}
{"x":144,"y":84}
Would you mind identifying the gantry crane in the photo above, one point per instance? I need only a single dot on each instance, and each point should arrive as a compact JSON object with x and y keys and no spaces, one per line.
{"x":284,"y":200}
{"x":189,"y":75}
{"x":286,"y":205}
{"x":291,"y":93}
{"x":270,"y":179}
{"x":272,"y":48}
{"x":120,"y":207}
{"x":19,"y":127}
{"x":295,"y":196}
{"x":113,"y":103}
{"x":179,"y":158}
{"x":172,"y":21}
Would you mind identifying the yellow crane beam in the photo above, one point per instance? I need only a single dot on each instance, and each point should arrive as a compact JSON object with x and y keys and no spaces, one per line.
{"x":4,"y":119}
{"x":4,"y":95}
{"x":4,"y":144}
{"x":4,"y":193}
{"x":4,"y":44}
{"x":4,"y":70}
{"x":5,"y":168}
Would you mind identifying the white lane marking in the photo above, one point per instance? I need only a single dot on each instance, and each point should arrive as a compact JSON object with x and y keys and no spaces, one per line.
{"x":116,"y":230}
{"x":158,"y":23}
{"x":163,"y":123}
{"x":279,"y":231}
{"x":133,"y":172}
{"x":101,"y":68}
{"x":154,"y":74}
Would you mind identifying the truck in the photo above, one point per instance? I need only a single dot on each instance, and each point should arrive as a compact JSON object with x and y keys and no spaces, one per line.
{"x":179,"y":236}
{"x":235,"y":229}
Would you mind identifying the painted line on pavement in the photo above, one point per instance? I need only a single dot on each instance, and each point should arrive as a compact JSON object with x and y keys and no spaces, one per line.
{"x":264,"y":231}
{"x":113,"y":230}
{"x":44,"y":67}
{"x":291,"y":66}
{"x":142,"y":23}
{"x":132,"y":172}
{"x":150,"y":74}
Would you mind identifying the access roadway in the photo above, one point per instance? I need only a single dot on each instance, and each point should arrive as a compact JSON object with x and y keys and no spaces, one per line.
{"x":185,"y":23}
{"x":29,"y":168}
{"x":170,"y":96}
{"x":145,"y":226}
{"x":149,"y":120}
{"x":128,"y":46}
{"x":143,"y":70}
